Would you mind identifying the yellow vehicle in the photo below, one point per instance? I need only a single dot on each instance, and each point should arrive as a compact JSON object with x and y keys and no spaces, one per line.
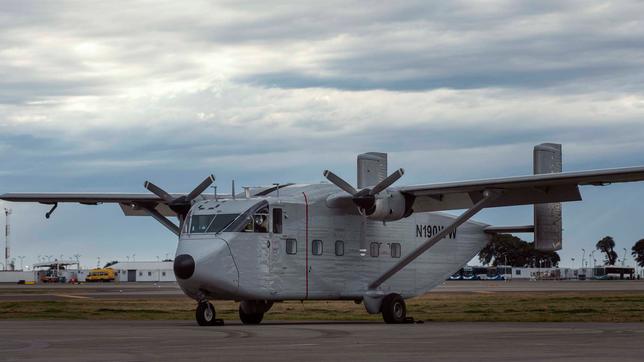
{"x":101,"y":275}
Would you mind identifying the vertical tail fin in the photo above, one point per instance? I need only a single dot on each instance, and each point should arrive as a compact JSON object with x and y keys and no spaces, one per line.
{"x":548,"y":231}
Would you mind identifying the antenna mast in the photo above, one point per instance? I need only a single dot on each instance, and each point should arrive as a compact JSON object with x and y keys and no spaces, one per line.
{"x":7,"y":231}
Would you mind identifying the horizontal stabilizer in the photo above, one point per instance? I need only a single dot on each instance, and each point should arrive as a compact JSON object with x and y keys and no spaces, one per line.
{"x":509,"y":229}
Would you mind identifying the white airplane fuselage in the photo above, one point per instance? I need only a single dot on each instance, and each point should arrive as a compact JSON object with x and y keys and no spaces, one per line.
{"x":322,"y":259}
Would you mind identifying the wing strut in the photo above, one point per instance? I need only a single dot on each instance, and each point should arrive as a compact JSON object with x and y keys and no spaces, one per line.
{"x":488,"y":197}
{"x":150,"y":210}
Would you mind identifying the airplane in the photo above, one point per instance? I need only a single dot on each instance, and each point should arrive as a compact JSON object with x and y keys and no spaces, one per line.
{"x":376,"y":244}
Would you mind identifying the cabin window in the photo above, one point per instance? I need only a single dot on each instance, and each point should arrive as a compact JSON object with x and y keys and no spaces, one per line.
{"x":149,"y":274}
{"x":395,"y":250}
{"x":163,"y":273}
{"x":339,"y":247}
{"x":291,"y":246}
{"x":316,"y":247}
{"x":140,"y":274}
{"x":374,"y":249}
{"x":277,"y":221}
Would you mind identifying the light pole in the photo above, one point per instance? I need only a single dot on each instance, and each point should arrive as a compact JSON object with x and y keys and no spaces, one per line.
{"x":583,"y":256}
{"x":624,"y":258}
{"x":77,"y":256}
{"x":7,"y":231}
{"x":133,"y":257}
{"x":21,"y":257}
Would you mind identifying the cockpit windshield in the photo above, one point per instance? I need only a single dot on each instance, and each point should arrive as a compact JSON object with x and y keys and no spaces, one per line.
{"x":254,"y":219}
{"x":211,"y":223}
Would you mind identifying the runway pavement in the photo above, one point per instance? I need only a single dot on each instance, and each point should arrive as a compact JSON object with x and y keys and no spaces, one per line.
{"x":172,"y":340}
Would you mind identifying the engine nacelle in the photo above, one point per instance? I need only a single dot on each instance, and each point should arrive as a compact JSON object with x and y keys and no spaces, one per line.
{"x":391,"y":206}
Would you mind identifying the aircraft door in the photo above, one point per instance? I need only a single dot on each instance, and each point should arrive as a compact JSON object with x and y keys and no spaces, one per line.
{"x":287,"y":259}
{"x":323,"y":264}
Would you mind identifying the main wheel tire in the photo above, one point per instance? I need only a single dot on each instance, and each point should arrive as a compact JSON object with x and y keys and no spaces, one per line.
{"x":250,"y":318}
{"x":206,"y":314}
{"x":394,"y":309}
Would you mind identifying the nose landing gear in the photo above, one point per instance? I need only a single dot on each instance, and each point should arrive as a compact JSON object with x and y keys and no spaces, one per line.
{"x":206,"y":314}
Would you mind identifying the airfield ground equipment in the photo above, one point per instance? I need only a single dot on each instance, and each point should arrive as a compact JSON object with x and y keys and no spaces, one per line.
{"x":101,"y":275}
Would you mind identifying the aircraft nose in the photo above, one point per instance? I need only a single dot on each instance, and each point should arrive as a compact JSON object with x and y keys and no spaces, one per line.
{"x":184,"y":266}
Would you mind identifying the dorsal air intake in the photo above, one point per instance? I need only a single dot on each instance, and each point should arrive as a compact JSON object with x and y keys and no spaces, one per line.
{"x":372,"y":168}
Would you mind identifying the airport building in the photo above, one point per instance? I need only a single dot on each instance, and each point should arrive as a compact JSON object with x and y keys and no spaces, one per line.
{"x":162,"y":271}
{"x":144,"y":271}
{"x":508,"y":272}
{"x":68,"y":271}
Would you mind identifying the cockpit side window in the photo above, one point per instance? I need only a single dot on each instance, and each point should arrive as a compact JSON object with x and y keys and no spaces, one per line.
{"x":277,"y":220}
{"x":254,"y":219}
{"x":261,"y":220}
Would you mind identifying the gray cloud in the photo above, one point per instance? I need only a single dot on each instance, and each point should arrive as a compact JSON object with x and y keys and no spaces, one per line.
{"x":101,"y":96}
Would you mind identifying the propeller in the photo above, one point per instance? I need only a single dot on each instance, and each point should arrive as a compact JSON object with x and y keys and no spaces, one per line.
{"x":365,"y":199}
{"x":181,"y":205}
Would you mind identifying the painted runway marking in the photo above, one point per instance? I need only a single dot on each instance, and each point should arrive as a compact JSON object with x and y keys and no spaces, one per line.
{"x":70,"y":296}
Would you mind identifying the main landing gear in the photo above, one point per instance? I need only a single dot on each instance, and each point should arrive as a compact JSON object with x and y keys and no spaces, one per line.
{"x":250,"y":318}
{"x":206,"y":315}
{"x":393,"y":309}
{"x":252,"y":311}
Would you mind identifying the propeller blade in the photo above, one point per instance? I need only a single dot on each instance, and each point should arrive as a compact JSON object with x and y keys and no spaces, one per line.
{"x":336,"y":180}
{"x":201,"y":188}
{"x":387,"y":181}
{"x":158,"y":191}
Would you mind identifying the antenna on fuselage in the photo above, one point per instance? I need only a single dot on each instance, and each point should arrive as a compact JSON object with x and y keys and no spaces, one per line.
{"x":277,"y":189}
{"x":233,"y":189}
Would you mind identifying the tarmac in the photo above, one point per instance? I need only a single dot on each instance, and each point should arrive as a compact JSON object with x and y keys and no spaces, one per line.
{"x":274,"y":341}
{"x":109,"y":340}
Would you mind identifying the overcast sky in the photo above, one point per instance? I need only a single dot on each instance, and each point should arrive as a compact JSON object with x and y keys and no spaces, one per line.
{"x":100,"y":96}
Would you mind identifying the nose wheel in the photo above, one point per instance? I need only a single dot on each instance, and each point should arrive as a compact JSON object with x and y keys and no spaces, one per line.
{"x":206,"y":315}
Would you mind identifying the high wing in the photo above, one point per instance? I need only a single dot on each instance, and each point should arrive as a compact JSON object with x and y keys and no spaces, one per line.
{"x":159,"y":204}
{"x":127,"y":201}
{"x":521,"y":190}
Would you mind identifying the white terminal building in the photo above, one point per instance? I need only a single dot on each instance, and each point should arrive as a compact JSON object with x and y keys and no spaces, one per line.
{"x":66,"y":271}
{"x":144,"y":271}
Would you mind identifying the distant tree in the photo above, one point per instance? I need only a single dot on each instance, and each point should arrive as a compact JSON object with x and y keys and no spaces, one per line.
{"x":638,"y":252}
{"x":607,"y":246}
{"x":506,"y":248}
